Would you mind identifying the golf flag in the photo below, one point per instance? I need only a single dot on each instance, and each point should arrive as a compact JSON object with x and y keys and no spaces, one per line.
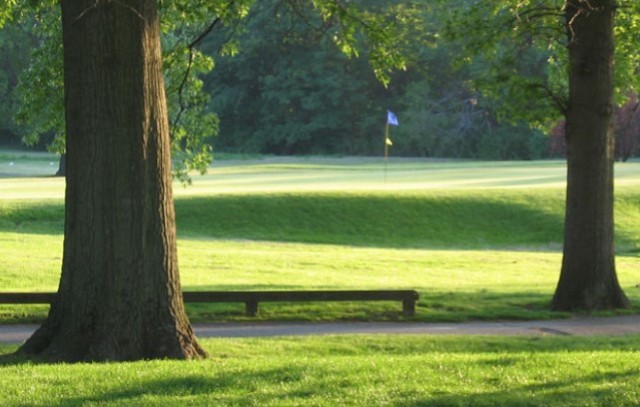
{"x":392,"y":119}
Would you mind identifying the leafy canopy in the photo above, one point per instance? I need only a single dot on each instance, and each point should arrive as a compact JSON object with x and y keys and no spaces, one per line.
{"x":183,"y":24}
{"x":523,"y":37}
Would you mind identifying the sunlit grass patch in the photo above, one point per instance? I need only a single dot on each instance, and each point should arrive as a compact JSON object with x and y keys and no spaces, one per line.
{"x":349,"y":370}
{"x":454,"y":284}
{"x":478,"y":240}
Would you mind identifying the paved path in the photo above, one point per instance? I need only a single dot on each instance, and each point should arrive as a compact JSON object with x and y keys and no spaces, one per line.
{"x":580,"y":326}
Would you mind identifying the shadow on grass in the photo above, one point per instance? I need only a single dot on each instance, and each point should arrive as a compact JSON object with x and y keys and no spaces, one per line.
{"x":171,"y":388}
{"x":422,"y":221}
{"x":236,"y":388}
{"x":446,"y":220}
{"x":30,"y":217}
{"x":9,"y":358}
{"x":593,"y":389}
{"x":296,"y":384}
{"x":374,"y":220}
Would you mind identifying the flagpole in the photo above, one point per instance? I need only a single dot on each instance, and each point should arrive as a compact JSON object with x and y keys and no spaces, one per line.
{"x":386,"y":150}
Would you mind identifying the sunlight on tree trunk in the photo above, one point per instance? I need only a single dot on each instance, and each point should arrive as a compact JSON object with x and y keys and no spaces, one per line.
{"x":119,"y":296}
{"x":588,"y":277}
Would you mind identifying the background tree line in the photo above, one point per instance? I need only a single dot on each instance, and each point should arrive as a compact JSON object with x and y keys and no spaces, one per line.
{"x":281,"y":85}
{"x":303,"y":96}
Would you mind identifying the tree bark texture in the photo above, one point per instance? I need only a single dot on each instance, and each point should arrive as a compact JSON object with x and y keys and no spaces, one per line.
{"x":588,"y":278}
{"x":119,"y":296}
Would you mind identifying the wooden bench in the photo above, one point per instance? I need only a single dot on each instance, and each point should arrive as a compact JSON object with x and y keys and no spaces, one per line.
{"x":253,"y":298}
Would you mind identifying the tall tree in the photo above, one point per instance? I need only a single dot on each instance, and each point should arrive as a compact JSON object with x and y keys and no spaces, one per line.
{"x":580,"y":85}
{"x":119,"y":296}
{"x":588,"y":276}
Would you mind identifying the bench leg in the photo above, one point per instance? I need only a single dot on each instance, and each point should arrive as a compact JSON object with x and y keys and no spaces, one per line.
{"x":409,"y":307}
{"x":252,"y":308}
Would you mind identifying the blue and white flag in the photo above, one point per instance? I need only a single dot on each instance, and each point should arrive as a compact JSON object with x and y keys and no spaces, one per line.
{"x":392,"y":119}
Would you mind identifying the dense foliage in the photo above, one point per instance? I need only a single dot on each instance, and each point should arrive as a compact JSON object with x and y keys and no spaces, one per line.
{"x":526,"y":43}
{"x":314,"y":77}
{"x":291,"y":91}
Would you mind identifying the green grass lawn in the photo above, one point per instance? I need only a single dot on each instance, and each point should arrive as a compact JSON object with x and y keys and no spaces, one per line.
{"x":348,"y":370}
{"x":478,"y":240}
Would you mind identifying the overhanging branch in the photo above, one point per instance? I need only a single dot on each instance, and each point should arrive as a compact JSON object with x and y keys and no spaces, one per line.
{"x":191,"y":47}
{"x":557,"y":100}
{"x":185,"y":78}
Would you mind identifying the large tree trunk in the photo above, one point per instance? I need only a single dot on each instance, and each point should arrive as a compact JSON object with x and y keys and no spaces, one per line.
{"x":588,"y":277}
{"x":119,"y":296}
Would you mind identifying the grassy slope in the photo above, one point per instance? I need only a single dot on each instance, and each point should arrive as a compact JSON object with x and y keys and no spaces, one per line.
{"x":349,"y":370}
{"x":474,"y":252}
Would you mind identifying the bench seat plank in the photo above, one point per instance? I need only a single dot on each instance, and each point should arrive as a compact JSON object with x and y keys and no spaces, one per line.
{"x":252,"y":298}
{"x":295,"y":296}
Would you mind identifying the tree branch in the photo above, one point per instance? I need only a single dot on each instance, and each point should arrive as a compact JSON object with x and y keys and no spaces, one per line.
{"x":538,"y":12}
{"x":560,"y":103}
{"x":185,"y":78}
{"x":191,"y":49}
